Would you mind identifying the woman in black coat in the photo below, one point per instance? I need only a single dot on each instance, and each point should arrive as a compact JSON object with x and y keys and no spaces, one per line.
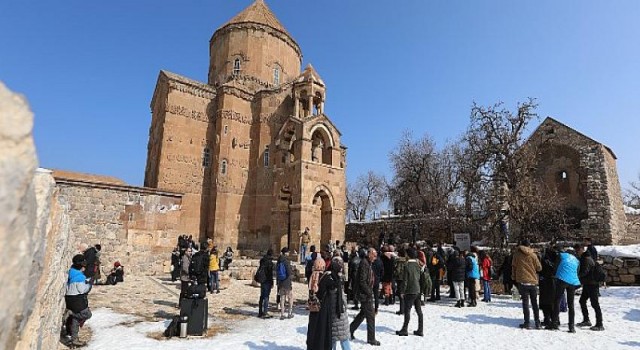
{"x":505,"y":271}
{"x":319,"y":333}
{"x":548,"y":285}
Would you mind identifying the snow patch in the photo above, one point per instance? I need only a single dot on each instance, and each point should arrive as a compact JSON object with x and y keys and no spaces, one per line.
{"x":620,"y":251}
{"x":633,"y":211}
{"x":485,"y":326}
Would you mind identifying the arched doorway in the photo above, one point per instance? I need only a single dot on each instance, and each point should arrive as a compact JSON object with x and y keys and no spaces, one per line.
{"x":323,"y":214}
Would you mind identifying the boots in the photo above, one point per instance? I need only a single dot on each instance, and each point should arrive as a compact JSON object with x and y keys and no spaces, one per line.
{"x":585,"y":323}
{"x":458,"y":304}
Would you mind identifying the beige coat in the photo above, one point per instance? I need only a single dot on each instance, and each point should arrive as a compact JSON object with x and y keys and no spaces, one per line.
{"x":526,"y":266}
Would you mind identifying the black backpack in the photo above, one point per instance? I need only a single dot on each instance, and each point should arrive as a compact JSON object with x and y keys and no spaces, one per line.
{"x":197,"y":267}
{"x":308,"y":268}
{"x":172,"y":330}
{"x":599,"y":274}
{"x":261,"y":275}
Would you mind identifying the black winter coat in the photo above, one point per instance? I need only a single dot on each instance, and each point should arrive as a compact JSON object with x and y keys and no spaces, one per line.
{"x":319,"y":331}
{"x":457,"y":269}
{"x":548,"y":280}
{"x":267,"y":262}
{"x":387,"y":265}
{"x":364,"y":287}
{"x":505,"y":269}
{"x":587,"y":266}
{"x":90,"y":259}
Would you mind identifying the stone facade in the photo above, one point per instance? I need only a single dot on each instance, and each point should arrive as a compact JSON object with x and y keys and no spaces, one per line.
{"x":621,"y":271}
{"x":632,"y":234}
{"x":136,"y":226}
{"x":434,"y":229}
{"x":583,"y":172}
{"x":252,"y":150}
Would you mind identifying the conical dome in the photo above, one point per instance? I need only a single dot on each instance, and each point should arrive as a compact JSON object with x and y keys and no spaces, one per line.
{"x":258,"y":12}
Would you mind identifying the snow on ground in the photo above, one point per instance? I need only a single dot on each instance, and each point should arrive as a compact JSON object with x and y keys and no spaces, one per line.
{"x":629,"y":210}
{"x":483,"y":327}
{"x":622,"y":251}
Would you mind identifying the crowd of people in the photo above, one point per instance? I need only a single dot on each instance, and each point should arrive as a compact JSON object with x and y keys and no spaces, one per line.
{"x":545,"y":279}
{"x":412,"y":274}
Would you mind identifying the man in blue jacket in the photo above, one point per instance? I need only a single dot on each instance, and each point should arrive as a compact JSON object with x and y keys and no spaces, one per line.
{"x":78,"y":287}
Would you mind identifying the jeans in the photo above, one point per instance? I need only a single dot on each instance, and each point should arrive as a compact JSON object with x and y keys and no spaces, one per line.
{"x":530,"y":293}
{"x":412,"y":300}
{"x":366,"y":311}
{"x":571,"y":291}
{"x":263,"y":304}
{"x":458,"y":288}
{"x":75,"y":320}
{"x":214,"y":281}
{"x":344,"y":344}
{"x":590,"y":292}
{"x":303,"y":252}
{"x":486,"y":287}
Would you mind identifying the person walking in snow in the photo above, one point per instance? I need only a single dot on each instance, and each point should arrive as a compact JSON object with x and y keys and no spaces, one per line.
{"x":505,"y":273}
{"x":567,"y":276}
{"x":590,"y":290}
{"x":525,"y":268}
{"x":410,"y":293}
{"x":366,"y":296}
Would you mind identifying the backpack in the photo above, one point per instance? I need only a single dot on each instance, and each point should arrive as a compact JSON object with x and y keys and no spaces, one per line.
{"x":261,"y":275}
{"x":599,"y":274}
{"x":172,"y":329}
{"x":197,"y":267}
{"x":308,"y":268}
{"x":282,"y":271}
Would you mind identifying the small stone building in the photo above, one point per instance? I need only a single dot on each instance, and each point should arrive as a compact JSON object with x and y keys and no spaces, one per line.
{"x":252,"y":149}
{"x":583,"y":172}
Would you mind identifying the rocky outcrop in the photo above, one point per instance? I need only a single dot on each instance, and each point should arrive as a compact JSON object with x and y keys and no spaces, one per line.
{"x":21,"y":242}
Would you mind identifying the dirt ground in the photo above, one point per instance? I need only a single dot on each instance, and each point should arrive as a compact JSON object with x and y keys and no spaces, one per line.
{"x":156,"y":299}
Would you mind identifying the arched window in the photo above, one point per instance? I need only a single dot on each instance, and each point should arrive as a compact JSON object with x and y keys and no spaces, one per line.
{"x":266,"y":157}
{"x":223,"y":167}
{"x":206,"y":157}
{"x":236,"y":66}
{"x":276,"y":76}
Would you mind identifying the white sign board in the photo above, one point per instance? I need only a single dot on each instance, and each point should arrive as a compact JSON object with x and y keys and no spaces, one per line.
{"x":463,"y":240}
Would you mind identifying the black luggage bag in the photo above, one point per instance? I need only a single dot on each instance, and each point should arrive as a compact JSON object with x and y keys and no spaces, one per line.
{"x":197,"y":312}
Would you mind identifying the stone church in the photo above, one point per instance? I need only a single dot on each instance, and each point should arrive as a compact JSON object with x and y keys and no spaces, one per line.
{"x":252,"y":151}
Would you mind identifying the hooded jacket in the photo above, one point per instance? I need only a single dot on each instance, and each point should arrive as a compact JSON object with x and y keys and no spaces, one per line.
{"x":587,"y":266}
{"x":77,"y":290}
{"x":525,"y":266}
{"x":568,"y":266}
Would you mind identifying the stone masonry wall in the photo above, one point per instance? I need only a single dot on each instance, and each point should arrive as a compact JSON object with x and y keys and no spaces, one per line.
{"x":136,"y":226}
{"x":621,"y":271}
{"x":429,"y":229}
{"x":632,"y":232}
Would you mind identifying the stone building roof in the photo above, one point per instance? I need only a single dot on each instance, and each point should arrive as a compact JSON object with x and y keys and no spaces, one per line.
{"x":258,"y":12}
{"x":76,"y":176}
{"x":549,"y":120}
{"x":310,"y":74}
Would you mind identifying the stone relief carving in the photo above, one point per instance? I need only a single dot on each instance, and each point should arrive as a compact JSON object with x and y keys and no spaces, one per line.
{"x":189,"y":113}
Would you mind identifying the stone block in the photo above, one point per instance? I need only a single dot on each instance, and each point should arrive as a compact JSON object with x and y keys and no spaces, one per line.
{"x":618,"y":262}
{"x":606,"y":258}
{"x":635,"y":271}
{"x":630,"y":279}
{"x":631,"y":263}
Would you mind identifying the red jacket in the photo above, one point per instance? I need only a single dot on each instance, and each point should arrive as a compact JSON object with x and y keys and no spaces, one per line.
{"x":486,"y":269}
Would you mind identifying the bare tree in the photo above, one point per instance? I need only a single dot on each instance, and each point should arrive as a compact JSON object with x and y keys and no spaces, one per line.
{"x":424,"y":177}
{"x":499,"y":171}
{"x":365,"y":195}
{"x":632,"y":194}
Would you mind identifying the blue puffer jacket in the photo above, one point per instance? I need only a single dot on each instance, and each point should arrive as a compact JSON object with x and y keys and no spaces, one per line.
{"x":568,"y":269}
{"x":473,"y":271}
{"x":77,"y":290}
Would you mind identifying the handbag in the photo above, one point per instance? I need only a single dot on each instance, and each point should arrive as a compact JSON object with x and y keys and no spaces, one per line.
{"x":313,"y":303}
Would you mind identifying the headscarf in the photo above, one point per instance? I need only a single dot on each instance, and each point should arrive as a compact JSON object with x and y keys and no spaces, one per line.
{"x":318,"y":269}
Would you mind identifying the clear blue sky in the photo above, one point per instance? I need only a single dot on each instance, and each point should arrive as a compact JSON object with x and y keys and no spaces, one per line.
{"x":89,"y":69}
